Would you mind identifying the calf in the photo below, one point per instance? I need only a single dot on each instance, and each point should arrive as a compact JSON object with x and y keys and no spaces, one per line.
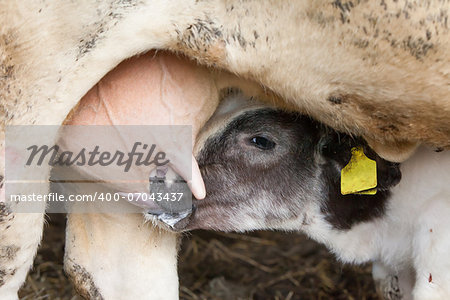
{"x":265,"y":168}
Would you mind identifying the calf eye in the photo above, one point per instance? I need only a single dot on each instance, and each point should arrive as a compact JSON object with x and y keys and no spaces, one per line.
{"x":262,"y":143}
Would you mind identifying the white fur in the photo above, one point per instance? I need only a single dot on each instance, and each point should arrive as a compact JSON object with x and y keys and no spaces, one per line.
{"x":413,"y":234}
{"x":124,"y":257}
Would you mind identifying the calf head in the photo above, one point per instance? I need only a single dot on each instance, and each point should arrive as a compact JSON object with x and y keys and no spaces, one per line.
{"x":266,"y":168}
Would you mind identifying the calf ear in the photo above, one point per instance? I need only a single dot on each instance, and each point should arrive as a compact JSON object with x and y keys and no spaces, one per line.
{"x":335,"y":149}
{"x":344,"y":211}
{"x":388,"y":173}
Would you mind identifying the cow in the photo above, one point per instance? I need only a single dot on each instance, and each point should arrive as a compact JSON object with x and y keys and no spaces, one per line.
{"x":377,"y":70}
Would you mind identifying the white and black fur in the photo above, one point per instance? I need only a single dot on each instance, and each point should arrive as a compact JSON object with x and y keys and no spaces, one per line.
{"x":272,"y":169}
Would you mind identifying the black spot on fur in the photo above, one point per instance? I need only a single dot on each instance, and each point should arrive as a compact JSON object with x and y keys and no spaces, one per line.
{"x":2,"y":277}
{"x":5,"y":213}
{"x":361,"y":43}
{"x":200,"y":36}
{"x":236,"y":36}
{"x":418,"y":48}
{"x":390,"y":128}
{"x":345,"y":8}
{"x":8,"y":253}
{"x":89,"y":44}
{"x":107,"y":20}
{"x":335,"y":100}
{"x":6,"y":71}
{"x":83,"y":282}
{"x":203,"y":29}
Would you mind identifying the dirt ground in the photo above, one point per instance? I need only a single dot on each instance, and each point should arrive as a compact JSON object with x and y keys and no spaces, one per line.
{"x":261,"y":265}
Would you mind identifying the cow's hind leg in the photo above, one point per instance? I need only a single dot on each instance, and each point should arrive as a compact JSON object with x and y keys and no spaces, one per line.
{"x":20,"y":234}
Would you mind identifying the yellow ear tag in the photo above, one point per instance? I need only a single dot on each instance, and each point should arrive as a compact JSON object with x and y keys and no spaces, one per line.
{"x":359,"y":176}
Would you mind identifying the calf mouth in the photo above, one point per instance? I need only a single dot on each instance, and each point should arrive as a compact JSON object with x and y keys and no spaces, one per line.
{"x":173,"y":215}
{"x":174,"y":221}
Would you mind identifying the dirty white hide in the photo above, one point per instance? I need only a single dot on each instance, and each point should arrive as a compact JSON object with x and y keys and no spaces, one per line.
{"x":380,"y":70}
